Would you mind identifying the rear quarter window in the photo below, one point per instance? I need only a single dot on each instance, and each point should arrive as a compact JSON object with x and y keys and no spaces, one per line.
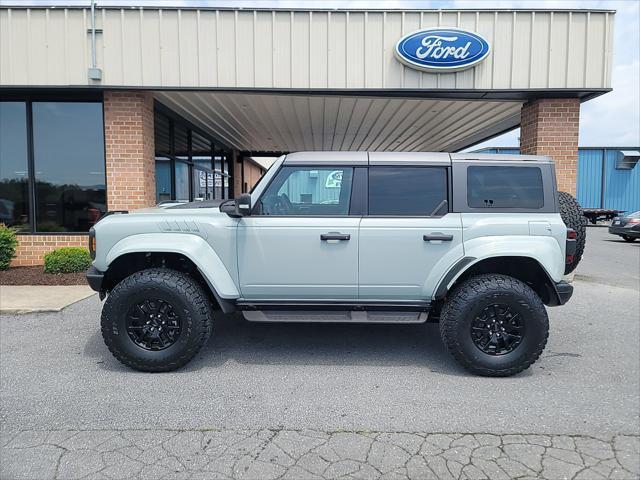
{"x":504,"y":187}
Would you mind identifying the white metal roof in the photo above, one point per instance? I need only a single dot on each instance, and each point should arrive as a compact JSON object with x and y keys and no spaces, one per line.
{"x":404,"y":158}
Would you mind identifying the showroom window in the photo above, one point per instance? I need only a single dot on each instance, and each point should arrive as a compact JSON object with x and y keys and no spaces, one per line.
{"x":52,"y":165}
{"x":14,"y":166}
{"x":189,"y":164}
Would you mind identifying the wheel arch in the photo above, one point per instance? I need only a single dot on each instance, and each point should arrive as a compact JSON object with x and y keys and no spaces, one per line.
{"x":187,"y":253}
{"x":526,"y":269}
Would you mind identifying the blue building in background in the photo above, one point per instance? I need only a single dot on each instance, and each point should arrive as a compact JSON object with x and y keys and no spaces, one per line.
{"x":604,"y":180}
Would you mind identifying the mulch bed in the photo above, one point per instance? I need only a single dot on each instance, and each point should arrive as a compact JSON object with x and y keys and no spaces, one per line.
{"x":36,"y":276}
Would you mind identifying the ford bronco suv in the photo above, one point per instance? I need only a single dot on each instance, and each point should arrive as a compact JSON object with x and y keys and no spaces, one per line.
{"x":479,"y":243}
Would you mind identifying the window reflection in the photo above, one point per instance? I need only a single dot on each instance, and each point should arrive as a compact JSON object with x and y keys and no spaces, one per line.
{"x":14,"y":174}
{"x":68,"y":148}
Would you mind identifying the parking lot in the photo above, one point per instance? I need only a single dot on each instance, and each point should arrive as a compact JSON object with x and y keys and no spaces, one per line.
{"x":330,"y":401}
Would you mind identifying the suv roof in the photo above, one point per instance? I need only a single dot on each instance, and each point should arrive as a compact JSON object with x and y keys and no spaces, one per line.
{"x":403,"y":158}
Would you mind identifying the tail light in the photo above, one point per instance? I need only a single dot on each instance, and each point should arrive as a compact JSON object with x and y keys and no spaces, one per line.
{"x":571,"y":234}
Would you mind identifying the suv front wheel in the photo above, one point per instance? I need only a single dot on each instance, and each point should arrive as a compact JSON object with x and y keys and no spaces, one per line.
{"x":494,"y":325}
{"x":156,"y":320}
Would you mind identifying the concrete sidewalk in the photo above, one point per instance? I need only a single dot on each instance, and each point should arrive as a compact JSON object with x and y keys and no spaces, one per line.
{"x":38,"y":298}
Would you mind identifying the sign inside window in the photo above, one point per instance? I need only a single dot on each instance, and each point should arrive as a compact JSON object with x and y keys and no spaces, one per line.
{"x":334,"y":179}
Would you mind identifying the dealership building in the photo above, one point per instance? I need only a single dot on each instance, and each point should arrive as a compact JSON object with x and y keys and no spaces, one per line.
{"x":123,"y":108}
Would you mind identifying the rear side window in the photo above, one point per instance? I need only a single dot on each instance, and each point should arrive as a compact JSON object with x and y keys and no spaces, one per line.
{"x":505,"y":187}
{"x":410,"y":191}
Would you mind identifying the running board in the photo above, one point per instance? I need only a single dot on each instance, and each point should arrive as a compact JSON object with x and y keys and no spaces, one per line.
{"x":334,"y":316}
{"x":335,"y":311}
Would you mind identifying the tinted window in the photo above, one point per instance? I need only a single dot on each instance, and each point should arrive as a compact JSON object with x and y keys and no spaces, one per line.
{"x":14,"y":171}
{"x":420,"y":191}
{"x":308,"y":191}
{"x":68,"y":149}
{"x":504,"y":187}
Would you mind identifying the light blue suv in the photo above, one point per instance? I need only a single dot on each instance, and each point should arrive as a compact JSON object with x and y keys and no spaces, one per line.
{"x":474,"y":241}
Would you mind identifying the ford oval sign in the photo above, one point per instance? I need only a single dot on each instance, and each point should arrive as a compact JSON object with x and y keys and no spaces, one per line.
{"x":442,"y":49}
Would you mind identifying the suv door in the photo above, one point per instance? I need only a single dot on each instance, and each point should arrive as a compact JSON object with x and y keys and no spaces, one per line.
{"x":408,"y":230}
{"x":300,"y":241}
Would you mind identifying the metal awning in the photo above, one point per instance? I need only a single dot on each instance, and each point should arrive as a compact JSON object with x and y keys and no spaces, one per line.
{"x":286,"y":123}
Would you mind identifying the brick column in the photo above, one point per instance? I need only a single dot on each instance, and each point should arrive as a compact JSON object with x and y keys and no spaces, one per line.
{"x":130,"y":151}
{"x":550,"y":127}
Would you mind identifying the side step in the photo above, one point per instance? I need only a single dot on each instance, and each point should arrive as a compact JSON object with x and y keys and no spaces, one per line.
{"x":335,"y":316}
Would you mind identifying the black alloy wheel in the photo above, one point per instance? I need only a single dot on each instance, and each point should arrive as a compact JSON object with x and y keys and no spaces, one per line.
{"x":497,"y":330}
{"x":153,"y":324}
{"x":156,"y":320}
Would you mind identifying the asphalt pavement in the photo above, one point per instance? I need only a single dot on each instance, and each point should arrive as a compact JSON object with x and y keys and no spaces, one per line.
{"x":256,"y":382}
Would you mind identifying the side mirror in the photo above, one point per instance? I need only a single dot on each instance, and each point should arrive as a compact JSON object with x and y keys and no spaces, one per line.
{"x":243,"y":205}
{"x":229,"y":207}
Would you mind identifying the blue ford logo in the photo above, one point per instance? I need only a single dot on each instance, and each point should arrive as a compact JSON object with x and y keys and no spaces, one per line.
{"x":442,"y":49}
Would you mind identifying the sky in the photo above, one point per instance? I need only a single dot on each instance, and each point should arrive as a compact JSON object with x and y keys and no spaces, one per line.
{"x":612,"y":119}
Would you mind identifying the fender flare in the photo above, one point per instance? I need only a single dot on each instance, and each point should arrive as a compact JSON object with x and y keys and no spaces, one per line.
{"x":544,"y":250}
{"x":193,"y":247}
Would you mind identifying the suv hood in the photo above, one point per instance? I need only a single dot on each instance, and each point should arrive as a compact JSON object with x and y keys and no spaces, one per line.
{"x":168,"y":207}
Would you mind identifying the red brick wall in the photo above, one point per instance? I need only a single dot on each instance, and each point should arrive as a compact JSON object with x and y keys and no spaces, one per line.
{"x":550,"y":127}
{"x":32,"y":248}
{"x":129,"y":145}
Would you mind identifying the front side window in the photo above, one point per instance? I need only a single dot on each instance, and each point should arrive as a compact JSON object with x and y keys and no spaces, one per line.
{"x":505,"y":187}
{"x":308,"y":191}
{"x":407,"y":191}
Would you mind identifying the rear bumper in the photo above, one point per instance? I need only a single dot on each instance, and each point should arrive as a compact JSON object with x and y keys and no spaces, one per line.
{"x":631,"y":232}
{"x":564,"y":291}
{"x":95,"y":278}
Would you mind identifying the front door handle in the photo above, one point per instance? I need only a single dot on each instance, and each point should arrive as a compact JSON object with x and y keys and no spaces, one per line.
{"x":437,"y":236}
{"x":335,"y":236}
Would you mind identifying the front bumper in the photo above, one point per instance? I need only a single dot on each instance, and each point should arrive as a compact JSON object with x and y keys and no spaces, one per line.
{"x":564,"y":291}
{"x":95,"y":278}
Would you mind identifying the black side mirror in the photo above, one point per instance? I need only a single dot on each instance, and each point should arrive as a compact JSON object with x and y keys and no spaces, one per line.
{"x":243,"y":205}
{"x":229,"y":207}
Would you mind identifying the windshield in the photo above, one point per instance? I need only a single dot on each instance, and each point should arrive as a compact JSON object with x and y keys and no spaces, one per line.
{"x":634,"y":215}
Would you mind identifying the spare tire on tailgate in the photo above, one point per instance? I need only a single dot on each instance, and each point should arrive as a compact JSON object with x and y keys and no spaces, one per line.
{"x":573,"y":217}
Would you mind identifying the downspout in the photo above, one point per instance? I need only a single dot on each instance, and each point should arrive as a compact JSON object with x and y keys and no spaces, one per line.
{"x":94,"y":72}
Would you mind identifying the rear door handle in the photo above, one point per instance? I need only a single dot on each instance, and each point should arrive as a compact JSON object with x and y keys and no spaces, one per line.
{"x":437,"y":236}
{"x":335,"y":236}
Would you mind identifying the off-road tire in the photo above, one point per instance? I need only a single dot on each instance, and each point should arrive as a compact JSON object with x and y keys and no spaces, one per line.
{"x":627,"y":238}
{"x":573,"y":217}
{"x":471,"y":297}
{"x":172,"y":286}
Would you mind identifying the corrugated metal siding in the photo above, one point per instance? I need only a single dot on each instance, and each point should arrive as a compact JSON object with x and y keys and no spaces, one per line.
{"x":297,"y":49}
{"x":621,"y":187}
{"x":589,"y":187}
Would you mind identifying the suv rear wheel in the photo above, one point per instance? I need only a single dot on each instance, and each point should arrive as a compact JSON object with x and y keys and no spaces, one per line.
{"x":494,"y":325}
{"x":156,"y":320}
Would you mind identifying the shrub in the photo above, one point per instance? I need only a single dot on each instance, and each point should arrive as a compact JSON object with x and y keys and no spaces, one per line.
{"x":8,"y":244}
{"x":67,"y":260}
